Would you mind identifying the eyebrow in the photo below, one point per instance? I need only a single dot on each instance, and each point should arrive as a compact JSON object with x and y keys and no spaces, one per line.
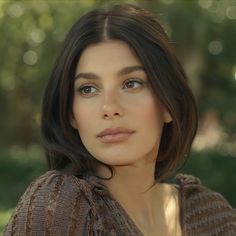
{"x":123,"y":71}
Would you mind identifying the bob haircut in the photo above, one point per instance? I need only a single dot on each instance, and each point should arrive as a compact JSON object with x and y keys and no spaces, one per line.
{"x":146,"y":37}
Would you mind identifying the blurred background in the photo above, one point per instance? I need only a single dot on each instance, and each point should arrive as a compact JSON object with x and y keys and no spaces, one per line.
{"x":204,"y":35}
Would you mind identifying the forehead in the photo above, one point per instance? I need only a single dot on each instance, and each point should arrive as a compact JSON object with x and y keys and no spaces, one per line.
{"x":109,"y":55}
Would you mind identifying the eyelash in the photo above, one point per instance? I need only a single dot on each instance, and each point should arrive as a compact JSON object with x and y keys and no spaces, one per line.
{"x":81,"y":88}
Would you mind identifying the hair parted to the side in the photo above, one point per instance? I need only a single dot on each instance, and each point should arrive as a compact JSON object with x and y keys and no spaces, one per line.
{"x":144,"y":34}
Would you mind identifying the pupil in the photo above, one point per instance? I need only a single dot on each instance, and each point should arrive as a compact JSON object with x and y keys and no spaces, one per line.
{"x":130,"y":84}
{"x":87,"y":90}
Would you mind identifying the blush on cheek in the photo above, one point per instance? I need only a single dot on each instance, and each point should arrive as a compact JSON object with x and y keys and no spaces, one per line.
{"x":153,"y":112}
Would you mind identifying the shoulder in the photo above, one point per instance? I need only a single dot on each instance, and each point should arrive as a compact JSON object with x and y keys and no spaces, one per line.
{"x":204,"y":209}
{"x":52,"y":199}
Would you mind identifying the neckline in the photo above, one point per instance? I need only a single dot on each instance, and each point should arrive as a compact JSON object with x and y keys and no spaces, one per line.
{"x":99,"y":187}
{"x":135,"y":226}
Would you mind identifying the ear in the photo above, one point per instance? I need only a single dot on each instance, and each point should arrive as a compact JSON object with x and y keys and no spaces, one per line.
{"x":167,"y":117}
{"x":73,"y":122}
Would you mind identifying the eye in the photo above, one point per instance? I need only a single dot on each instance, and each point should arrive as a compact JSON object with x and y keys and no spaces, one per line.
{"x":86,"y":90}
{"x":133,"y":84}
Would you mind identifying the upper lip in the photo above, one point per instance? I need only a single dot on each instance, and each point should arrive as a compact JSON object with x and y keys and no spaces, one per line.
{"x":114,"y":131}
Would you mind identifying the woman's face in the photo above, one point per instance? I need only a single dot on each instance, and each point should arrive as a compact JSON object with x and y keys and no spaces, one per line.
{"x":111,"y":90}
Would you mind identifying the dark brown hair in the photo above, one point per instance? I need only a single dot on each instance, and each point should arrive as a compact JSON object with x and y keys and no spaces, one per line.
{"x":144,"y":34}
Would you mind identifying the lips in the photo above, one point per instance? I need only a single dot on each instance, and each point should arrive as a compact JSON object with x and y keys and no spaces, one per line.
{"x":115,"y":134}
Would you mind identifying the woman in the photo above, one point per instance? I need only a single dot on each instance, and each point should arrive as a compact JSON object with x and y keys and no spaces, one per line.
{"x":118,"y":118}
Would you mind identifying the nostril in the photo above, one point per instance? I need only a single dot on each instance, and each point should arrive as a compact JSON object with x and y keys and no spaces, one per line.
{"x":111,"y":114}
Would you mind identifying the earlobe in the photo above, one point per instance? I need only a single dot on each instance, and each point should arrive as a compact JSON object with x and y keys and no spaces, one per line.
{"x":167,"y":117}
{"x":73,"y":123}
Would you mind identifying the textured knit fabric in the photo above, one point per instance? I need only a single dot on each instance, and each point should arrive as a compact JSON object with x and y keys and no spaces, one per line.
{"x":57,"y":204}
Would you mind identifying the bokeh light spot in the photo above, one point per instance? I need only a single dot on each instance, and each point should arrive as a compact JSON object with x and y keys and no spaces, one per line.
{"x":231,"y":12}
{"x":30,"y":57}
{"x":215,"y":47}
{"x":7,"y":82}
{"x":16,"y":9}
{"x":37,"y":35}
{"x":205,"y":3}
{"x":234,"y":72}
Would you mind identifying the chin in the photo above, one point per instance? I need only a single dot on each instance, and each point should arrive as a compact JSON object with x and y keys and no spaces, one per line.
{"x":117,"y":162}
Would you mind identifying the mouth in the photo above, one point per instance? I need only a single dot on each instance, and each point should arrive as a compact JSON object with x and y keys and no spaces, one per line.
{"x":115,"y":135}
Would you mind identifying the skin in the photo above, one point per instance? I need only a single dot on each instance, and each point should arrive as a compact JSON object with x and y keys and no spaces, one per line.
{"x":127,"y":100}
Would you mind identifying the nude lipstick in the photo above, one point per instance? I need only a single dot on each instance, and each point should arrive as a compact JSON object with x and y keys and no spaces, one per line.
{"x":115,"y":134}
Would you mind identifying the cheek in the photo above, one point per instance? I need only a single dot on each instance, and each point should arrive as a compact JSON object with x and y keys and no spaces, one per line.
{"x":150,"y":112}
{"x":152,"y":125}
{"x":82,"y":116}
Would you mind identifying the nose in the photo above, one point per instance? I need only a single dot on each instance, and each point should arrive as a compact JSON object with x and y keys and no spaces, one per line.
{"x":111,"y":107}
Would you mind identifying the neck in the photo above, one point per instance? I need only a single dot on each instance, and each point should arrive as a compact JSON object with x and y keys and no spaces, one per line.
{"x":147,"y":206}
{"x":133,"y":179}
{"x":132,"y":187}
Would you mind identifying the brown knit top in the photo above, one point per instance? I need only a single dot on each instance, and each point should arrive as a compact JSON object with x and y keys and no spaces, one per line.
{"x":59,"y":204}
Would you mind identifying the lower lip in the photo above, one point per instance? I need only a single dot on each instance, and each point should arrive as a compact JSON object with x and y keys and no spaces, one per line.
{"x":111,"y":138}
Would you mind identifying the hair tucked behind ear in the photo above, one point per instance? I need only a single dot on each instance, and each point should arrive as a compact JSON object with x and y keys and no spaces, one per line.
{"x":146,"y":37}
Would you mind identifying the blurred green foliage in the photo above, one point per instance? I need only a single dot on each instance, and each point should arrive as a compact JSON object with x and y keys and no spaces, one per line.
{"x":203,"y":34}
{"x":215,"y":170}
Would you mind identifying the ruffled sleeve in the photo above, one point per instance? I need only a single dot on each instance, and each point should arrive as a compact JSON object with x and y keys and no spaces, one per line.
{"x":203,"y":211}
{"x":55,"y":204}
